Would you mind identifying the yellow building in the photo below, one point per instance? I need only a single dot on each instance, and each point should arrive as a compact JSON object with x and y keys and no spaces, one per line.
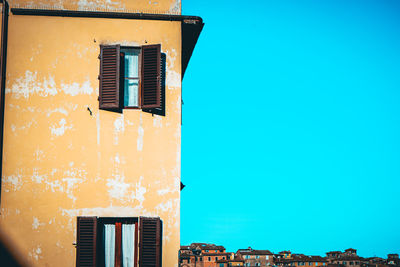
{"x":92,"y":130}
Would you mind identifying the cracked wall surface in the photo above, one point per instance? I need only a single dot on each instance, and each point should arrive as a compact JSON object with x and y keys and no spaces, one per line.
{"x":59,"y":161}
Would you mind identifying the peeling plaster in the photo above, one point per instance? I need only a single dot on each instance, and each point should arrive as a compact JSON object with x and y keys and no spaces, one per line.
{"x":117,"y":186}
{"x":61,"y":129}
{"x":140,"y":191}
{"x":175,"y":7}
{"x":57,"y":110}
{"x":76,"y":89}
{"x":119,"y":128}
{"x":38,"y":178}
{"x":29,"y":84}
{"x":36,"y":224}
{"x":98,"y":127}
{"x":173,"y":78}
{"x":100,"y":4}
{"x":140,"y":135}
{"x":157,"y":121}
{"x":71,"y":184}
{"x":14,"y":181}
{"x":35,"y":253}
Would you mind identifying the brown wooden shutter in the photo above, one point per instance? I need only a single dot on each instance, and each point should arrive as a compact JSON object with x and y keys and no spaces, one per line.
{"x":109,"y":77}
{"x":86,"y":241}
{"x":160,"y":111}
{"x":150,"y":76}
{"x":150,"y":242}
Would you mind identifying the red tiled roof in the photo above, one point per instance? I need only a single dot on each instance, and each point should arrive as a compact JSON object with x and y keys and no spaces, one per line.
{"x":256,"y":252}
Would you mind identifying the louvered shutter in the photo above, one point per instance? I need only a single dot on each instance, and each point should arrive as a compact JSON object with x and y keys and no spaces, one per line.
{"x":109,"y":77}
{"x":150,"y":242}
{"x":160,"y":111}
{"x":86,"y":241}
{"x":150,"y":76}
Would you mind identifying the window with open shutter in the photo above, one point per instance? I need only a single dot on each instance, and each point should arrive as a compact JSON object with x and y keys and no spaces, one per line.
{"x":109,"y":77}
{"x":86,"y":241}
{"x":150,"y":242}
{"x":150,"y":76}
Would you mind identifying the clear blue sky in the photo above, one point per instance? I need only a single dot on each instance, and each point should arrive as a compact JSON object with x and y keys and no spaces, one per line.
{"x":291,"y":126}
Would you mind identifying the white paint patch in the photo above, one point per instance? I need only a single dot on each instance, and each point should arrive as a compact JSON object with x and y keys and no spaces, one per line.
{"x":173,"y":78}
{"x":36,"y":224}
{"x":26,"y":126}
{"x":140,"y":135}
{"x":164,"y":191}
{"x":164,"y":207}
{"x":57,"y":110}
{"x":119,"y":127}
{"x":116,"y":159}
{"x":117,"y":186}
{"x":110,"y":5}
{"x":98,"y":127}
{"x":28,"y":85}
{"x":175,"y":8}
{"x":35,"y":253}
{"x":140,"y":191}
{"x":77,"y":89}
{"x":58,"y":131}
{"x":157,"y":121}
{"x":38,"y":178}
{"x":15,"y":181}
{"x":71,"y":182}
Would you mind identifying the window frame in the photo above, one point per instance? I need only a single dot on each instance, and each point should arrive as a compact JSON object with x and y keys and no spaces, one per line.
{"x":122,"y":80}
{"x":152,"y":79}
{"x":101,"y":221}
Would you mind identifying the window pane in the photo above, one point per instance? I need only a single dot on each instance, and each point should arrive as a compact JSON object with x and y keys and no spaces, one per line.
{"x":131,"y":75}
{"x":109,"y":245}
{"x":128,"y":245}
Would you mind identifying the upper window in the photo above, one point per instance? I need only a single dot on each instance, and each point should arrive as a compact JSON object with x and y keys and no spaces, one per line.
{"x":132,"y":77}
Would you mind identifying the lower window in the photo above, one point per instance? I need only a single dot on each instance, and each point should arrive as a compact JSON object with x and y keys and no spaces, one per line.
{"x":119,"y":241}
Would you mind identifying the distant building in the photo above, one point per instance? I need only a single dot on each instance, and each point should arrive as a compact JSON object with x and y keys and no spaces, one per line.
{"x":202,"y":255}
{"x":301,"y":260}
{"x":256,"y":258}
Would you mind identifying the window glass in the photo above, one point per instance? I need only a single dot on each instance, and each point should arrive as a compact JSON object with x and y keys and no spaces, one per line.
{"x":131,"y":77}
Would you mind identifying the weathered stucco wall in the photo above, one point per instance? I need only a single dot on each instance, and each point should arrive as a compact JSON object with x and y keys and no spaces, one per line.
{"x":60,"y":161}
{"x":146,"y":6}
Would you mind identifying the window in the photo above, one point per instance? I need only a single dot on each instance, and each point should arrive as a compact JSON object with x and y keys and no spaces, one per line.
{"x":309,"y":263}
{"x":247,"y":257}
{"x":221,"y":265}
{"x":216,"y":258}
{"x":257,"y":257}
{"x":132,"y":77}
{"x":201,"y":258}
{"x":209,"y":258}
{"x":114,"y":241}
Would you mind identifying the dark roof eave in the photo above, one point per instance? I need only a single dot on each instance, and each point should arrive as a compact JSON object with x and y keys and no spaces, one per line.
{"x":191,"y":30}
